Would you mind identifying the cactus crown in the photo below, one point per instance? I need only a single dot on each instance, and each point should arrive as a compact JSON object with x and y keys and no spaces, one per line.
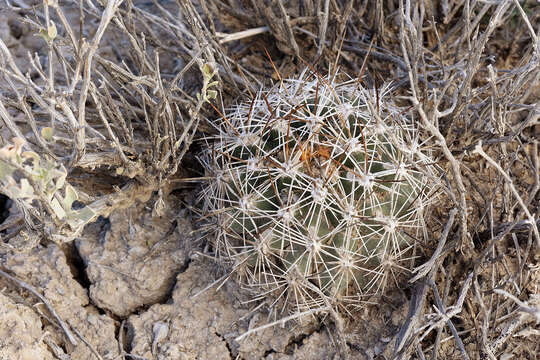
{"x":316,"y":196}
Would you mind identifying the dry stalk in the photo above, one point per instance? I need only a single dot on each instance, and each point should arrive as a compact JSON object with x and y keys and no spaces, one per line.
{"x":124,"y":115}
{"x":407,"y":35}
{"x":530,"y":217}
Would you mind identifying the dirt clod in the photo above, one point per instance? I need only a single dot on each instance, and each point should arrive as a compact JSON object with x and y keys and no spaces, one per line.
{"x":45,"y":268}
{"x":21,"y":336}
{"x":135,"y":262}
{"x":213,"y":318}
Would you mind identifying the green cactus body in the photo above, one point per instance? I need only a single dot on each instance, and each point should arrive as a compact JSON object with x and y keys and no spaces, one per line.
{"x":310,"y":191}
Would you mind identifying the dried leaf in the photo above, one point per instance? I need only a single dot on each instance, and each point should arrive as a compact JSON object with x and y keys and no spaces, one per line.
{"x":6,"y":170}
{"x":47,"y":133}
{"x":69,"y":199}
{"x":211,"y":94}
{"x":58,"y":210}
{"x":79,"y":218}
{"x":26,"y":190}
{"x":207,"y":71}
{"x":51,"y":31}
{"x":30,"y":155}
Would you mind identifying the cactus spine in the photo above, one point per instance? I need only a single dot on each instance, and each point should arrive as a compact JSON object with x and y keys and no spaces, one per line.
{"x":316,"y":197}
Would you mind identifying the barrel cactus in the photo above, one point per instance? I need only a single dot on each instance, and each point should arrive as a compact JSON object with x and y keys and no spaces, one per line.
{"x":316,"y":193}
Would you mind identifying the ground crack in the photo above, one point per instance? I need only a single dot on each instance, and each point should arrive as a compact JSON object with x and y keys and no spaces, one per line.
{"x":232,"y":354}
{"x":297,"y":342}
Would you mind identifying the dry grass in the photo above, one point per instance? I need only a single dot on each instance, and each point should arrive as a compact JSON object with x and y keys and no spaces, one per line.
{"x":120,"y":98}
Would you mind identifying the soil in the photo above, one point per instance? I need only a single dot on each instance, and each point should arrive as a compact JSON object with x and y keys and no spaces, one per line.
{"x":128,"y":286}
{"x":137,"y":292}
{"x":134,"y":286}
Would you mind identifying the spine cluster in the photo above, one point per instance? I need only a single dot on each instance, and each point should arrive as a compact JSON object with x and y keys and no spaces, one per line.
{"x":316,"y":192}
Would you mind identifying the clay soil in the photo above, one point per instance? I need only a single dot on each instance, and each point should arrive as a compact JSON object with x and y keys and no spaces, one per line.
{"x":137,"y":286}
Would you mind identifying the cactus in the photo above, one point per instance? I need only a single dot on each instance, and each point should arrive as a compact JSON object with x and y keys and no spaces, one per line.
{"x":316,"y":196}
